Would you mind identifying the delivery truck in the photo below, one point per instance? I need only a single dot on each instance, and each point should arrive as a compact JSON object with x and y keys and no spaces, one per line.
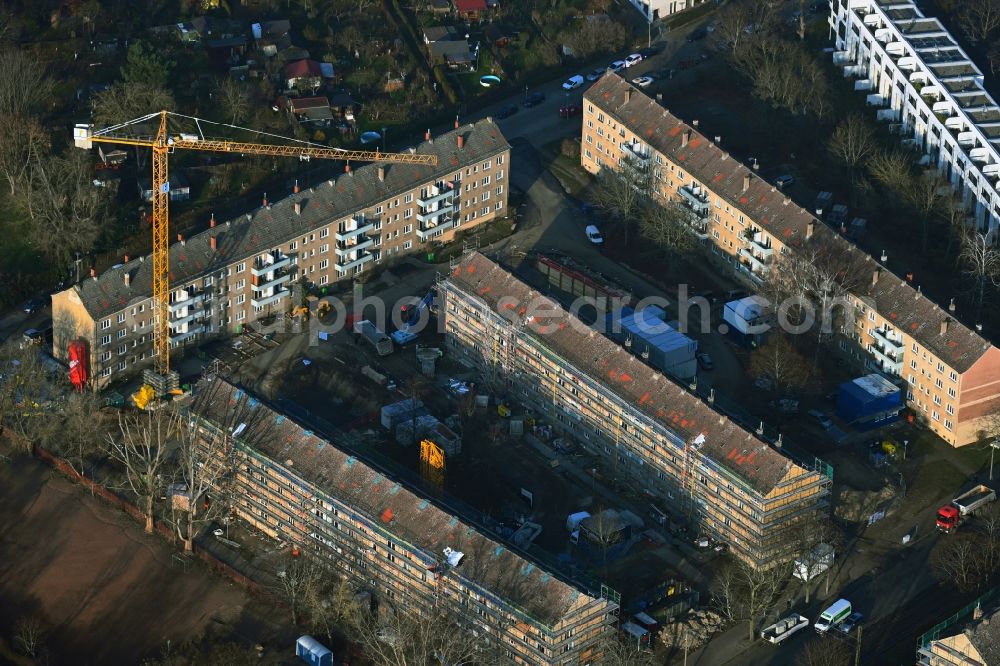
{"x":832,"y":616}
{"x":950,"y":516}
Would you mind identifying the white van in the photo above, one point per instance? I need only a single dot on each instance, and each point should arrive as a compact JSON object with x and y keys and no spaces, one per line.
{"x":594,"y":235}
{"x":833,"y":616}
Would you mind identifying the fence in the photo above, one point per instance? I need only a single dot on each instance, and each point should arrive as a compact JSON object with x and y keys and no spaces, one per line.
{"x":962,"y":616}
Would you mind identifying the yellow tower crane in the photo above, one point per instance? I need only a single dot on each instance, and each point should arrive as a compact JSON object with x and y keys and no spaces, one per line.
{"x":163,"y":142}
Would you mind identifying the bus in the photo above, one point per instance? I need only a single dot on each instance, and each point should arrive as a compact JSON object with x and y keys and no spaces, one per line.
{"x":833,"y":616}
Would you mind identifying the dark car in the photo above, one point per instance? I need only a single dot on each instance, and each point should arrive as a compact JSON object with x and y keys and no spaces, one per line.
{"x":705,"y":361}
{"x":534,"y":99}
{"x":651,"y":51}
{"x":34,"y":305}
{"x":697,"y":35}
{"x":570,"y":110}
{"x":506,"y":111}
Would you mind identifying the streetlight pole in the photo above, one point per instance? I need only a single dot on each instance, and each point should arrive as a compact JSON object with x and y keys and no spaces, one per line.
{"x":993,"y":447}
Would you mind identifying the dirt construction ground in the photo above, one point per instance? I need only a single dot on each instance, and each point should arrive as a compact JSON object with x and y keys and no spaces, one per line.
{"x":105,"y":592}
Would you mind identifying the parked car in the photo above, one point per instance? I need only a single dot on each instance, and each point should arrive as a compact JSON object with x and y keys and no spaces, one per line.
{"x":651,"y":51}
{"x":573,"y":82}
{"x":633,"y":59}
{"x":853,"y":620}
{"x":33,"y":305}
{"x":570,"y":110}
{"x":785,"y":405}
{"x":822,"y":419}
{"x":594,"y":235}
{"x":784,"y":181}
{"x":617,"y":66}
{"x":596,"y":74}
{"x":643,"y":81}
{"x":533,"y":99}
{"x":697,"y":35}
{"x":506,"y":111}
{"x":705,"y":361}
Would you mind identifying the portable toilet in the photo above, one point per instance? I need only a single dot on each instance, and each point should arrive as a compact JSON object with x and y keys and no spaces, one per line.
{"x":311,"y":651}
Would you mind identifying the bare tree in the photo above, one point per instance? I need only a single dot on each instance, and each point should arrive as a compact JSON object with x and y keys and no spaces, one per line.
{"x":621,"y":194}
{"x":82,"y":428}
{"x":958,"y":560}
{"x":616,"y":651}
{"x":807,"y":535}
{"x":980,"y":262}
{"x":779,"y":360}
{"x":824,"y":651}
{"x":393,"y":637}
{"x":127,"y":101}
{"x":926,"y":193}
{"x":989,"y":524}
{"x":204,"y":456}
{"x":891,"y":168}
{"x":20,"y":138}
{"x":297,"y":575}
{"x":667,"y":226}
{"x":140,"y":448}
{"x":327,"y":606}
{"x":954,"y":214}
{"x":979,"y":18}
{"x":233,"y":97}
{"x":746,"y":594}
{"x":28,"y":635}
{"x":66,"y":211}
{"x":26,"y":396}
{"x":24,"y":86}
{"x":853,"y":142}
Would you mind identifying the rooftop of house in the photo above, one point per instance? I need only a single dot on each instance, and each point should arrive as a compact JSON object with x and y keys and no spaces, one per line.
{"x":894,"y":298}
{"x":296,"y":104}
{"x":984,"y":635}
{"x":451,"y":49}
{"x":421,"y":521}
{"x":266,"y":228}
{"x":437,"y":33}
{"x":302,"y":68}
{"x":737,"y":450}
{"x":470,"y":5}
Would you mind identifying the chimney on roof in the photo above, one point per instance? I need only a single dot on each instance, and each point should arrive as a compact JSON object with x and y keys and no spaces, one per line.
{"x":694,"y":123}
{"x":427,"y":135}
{"x":93,"y":272}
{"x":951,"y":305}
{"x":127,"y":277}
{"x":944,"y":325}
{"x":979,"y":328}
{"x":628,"y":94}
{"x":211,"y":222}
{"x":456,"y":122}
{"x":810,"y":228}
{"x":977,"y":612}
{"x":265,"y":200}
{"x":718,"y":139}
{"x":213,"y":242}
{"x":461,"y":141}
{"x":126,"y":259}
{"x":180,"y":238}
{"x":884,"y":258}
{"x":875,"y":275}
{"x":909,"y":276}
{"x":746,"y":182}
{"x":298,"y":208}
{"x":685,"y":137}
{"x":295,"y":188}
{"x":919,"y":292}
{"x":381,"y":172}
{"x":347,"y":169}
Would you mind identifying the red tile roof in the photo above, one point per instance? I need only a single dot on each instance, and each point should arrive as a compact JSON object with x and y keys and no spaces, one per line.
{"x":894,"y":298}
{"x":726,"y":443}
{"x":302,"y":68}
{"x":470,"y":5}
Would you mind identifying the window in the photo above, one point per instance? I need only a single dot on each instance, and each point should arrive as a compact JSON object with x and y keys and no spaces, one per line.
{"x":950,"y":409}
{"x":948,"y":424}
{"x":499,"y":175}
{"x":486,"y":180}
{"x":241,"y":299}
{"x":486,"y":195}
{"x":951,"y":392}
{"x":106,"y":340}
{"x":241,"y":315}
{"x":323,"y":279}
{"x":499,"y":205}
{"x":240,"y":268}
{"x":122,"y":349}
{"x":105,"y":324}
{"x":324,"y":248}
{"x":408,"y":199}
{"x":913,"y":364}
{"x":324,"y":264}
{"x":106,"y":356}
{"x":378,"y":210}
{"x":106,"y":372}
{"x":323,"y":233}
{"x":940,"y":367}
{"x":953,"y":377}
{"x":241,"y":285}
{"x":122,"y":333}
{"x":292,"y":246}
{"x":122,"y":366}
{"x":407,"y":245}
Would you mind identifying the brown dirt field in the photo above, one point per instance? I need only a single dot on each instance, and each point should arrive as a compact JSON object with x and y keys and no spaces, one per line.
{"x":106,"y":592}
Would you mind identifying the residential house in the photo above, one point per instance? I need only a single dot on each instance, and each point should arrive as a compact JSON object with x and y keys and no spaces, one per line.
{"x":440,"y":6}
{"x":344,"y":110}
{"x":302,"y":75}
{"x":925,"y":85}
{"x":242,"y":269}
{"x":272,"y":36}
{"x":408,"y":549}
{"x":948,"y":369}
{"x":201,"y":28}
{"x":455,"y":54}
{"x":495,"y":34}
{"x":470,"y":10}
{"x":671,"y":444}
{"x":311,"y":112}
{"x":977,"y":644}
{"x":180,"y":189}
{"x":441,"y":33}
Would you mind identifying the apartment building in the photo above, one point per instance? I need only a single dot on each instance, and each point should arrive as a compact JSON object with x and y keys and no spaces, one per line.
{"x":922,"y":82}
{"x":975,"y":644}
{"x":951,"y":373}
{"x":410,"y":551}
{"x":653,"y":10}
{"x":242,"y":269}
{"x":726,"y":480}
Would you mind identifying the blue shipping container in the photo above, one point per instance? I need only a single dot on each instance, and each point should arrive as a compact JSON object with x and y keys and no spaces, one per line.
{"x":311,"y":651}
{"x":869,"y":402}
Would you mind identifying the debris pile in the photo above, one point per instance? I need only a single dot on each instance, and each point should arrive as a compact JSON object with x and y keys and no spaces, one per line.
{"x":691,"y":630}
{"x":854,"y":506}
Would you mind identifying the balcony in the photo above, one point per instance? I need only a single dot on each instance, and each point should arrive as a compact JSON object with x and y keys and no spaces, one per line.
{"x":636,"y":152}
{"x":435,"y":194}
{"x":345,"y":249}
{"x":187,"y":299}
{"x":187,"y":334}
{"x":188,"y":317}
{"x":696,"y":199}
{"x":272,"y":261}
{"x":262,"y":298}
{"x":889,"y":362}
{"x":882,"y":338}
{"x":432,"y":215}
{"x":760,"y":246}
{"x":268,"y":282}
{"x":757,"y":264}
{"x":350,"y":264}
{"x":427,"y":232}
{"x":357,"y":229}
